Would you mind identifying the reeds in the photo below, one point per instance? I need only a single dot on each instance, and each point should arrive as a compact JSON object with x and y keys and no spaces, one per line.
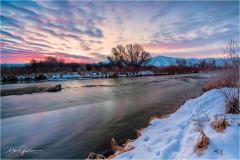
{"x":232,"y":105}
{"x":115,"y":148}
{"x":139,"y":131}
{"x":202,"y":143}
{"x":227,"y":76}
{"x":95,"y":156}
{"x":220,"y":124}
{"x":120,"y":149}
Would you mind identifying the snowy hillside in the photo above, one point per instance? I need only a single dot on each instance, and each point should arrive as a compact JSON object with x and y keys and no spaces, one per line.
{"x":175,"y":137}
{"x":14,"y":64}
{"x":161,"y":61}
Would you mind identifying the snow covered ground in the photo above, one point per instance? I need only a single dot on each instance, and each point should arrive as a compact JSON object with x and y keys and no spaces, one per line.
{"x":176,"y":136}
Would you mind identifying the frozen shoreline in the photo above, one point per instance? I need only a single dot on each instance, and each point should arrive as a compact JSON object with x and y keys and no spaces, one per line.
{"x":76,"y":75}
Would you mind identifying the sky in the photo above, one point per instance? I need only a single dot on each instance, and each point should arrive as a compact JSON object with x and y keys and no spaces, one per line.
{"x":86,"y":31}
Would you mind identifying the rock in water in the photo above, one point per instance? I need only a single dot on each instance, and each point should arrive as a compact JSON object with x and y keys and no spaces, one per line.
{"x":55,"y":88}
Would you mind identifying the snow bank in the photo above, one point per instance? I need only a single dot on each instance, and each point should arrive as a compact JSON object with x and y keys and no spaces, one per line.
{"x":75,"y":75}
{"x":176,"y":136}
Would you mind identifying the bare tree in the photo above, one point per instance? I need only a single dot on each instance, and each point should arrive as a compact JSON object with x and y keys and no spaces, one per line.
{"x":33,"y":63}
{"x":130,"y":55}
{"x":202,"y":63}
{"x":51,"y":59}
{"x":190,"y":64}
{"x":212,"y":64}
{"x":181,"y":62}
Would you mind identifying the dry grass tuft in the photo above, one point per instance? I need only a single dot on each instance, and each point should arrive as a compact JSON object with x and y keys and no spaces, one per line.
{"x":164,"y":116}
{"x":233,"y":105}
{"x":111,"y":157}
{"x":139,"y":131}
{"x":115,"y":146}
{"x":202,"y":143}
{"x":151,"y":118}
{"x":95,"y":156}
{"x":214,"y":82}
{"x":220,"y":124}
{"x":120,"y":149}
{"x":129,"y":140}
{"x":176,"y":108}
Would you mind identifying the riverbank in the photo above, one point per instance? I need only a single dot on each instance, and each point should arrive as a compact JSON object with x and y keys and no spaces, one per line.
{"x":72,"y":75}
{"x":89,"y":75}
{"x":175,"y":136}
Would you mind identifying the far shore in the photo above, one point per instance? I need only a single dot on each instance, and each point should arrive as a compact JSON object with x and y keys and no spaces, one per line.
{"x":87,"y":75}
{"x":57,"y":77}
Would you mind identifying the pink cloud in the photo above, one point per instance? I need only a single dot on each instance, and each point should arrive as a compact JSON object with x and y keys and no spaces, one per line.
{"x":27,"y":56}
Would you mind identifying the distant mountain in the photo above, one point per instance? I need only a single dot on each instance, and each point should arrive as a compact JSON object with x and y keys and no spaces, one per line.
{"x":161,"y":61}
{"x":12,"y":64}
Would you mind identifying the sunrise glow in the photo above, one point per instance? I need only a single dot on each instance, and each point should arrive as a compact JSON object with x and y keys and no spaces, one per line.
{"x":85,"y":31}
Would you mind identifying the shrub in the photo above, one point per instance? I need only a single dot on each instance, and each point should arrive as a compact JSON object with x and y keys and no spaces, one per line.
{"x":227,"y":76}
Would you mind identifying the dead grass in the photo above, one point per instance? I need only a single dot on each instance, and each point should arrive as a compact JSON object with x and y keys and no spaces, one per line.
{"x":214,"y":82}
{"x":115,"y":148}
{"x":120,"y":149}
{"x":220,"y":124}
{"x":232,"y":105}
{"x":176,"y":108}
{"x":227,"y":76}
{"x":202,"y":143}
{"x":139,"y":131}
{"x":150,"y":119}
{"x":165,"y":116}
{"x":95,"y":156}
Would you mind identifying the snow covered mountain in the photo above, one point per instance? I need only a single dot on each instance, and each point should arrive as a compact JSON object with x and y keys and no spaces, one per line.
{"x":161,"y":61}
{"x":13,"y":64}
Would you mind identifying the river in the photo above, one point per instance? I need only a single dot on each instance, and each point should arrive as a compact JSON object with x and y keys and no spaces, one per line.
{"x":77,"y":120}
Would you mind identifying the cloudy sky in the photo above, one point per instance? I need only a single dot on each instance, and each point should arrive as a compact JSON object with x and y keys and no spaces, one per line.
{"x":85,"y":31}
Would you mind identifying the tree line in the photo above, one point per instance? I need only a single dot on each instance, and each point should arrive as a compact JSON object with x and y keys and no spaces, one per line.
{"x":202,"y":63}
{"x":131,"y":58}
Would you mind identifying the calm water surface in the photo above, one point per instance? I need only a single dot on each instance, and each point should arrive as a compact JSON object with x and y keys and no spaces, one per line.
{"x":77,"y":120}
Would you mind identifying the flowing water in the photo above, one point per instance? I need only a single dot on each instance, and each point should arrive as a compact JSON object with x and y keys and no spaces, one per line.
{"x":77,"y":120}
